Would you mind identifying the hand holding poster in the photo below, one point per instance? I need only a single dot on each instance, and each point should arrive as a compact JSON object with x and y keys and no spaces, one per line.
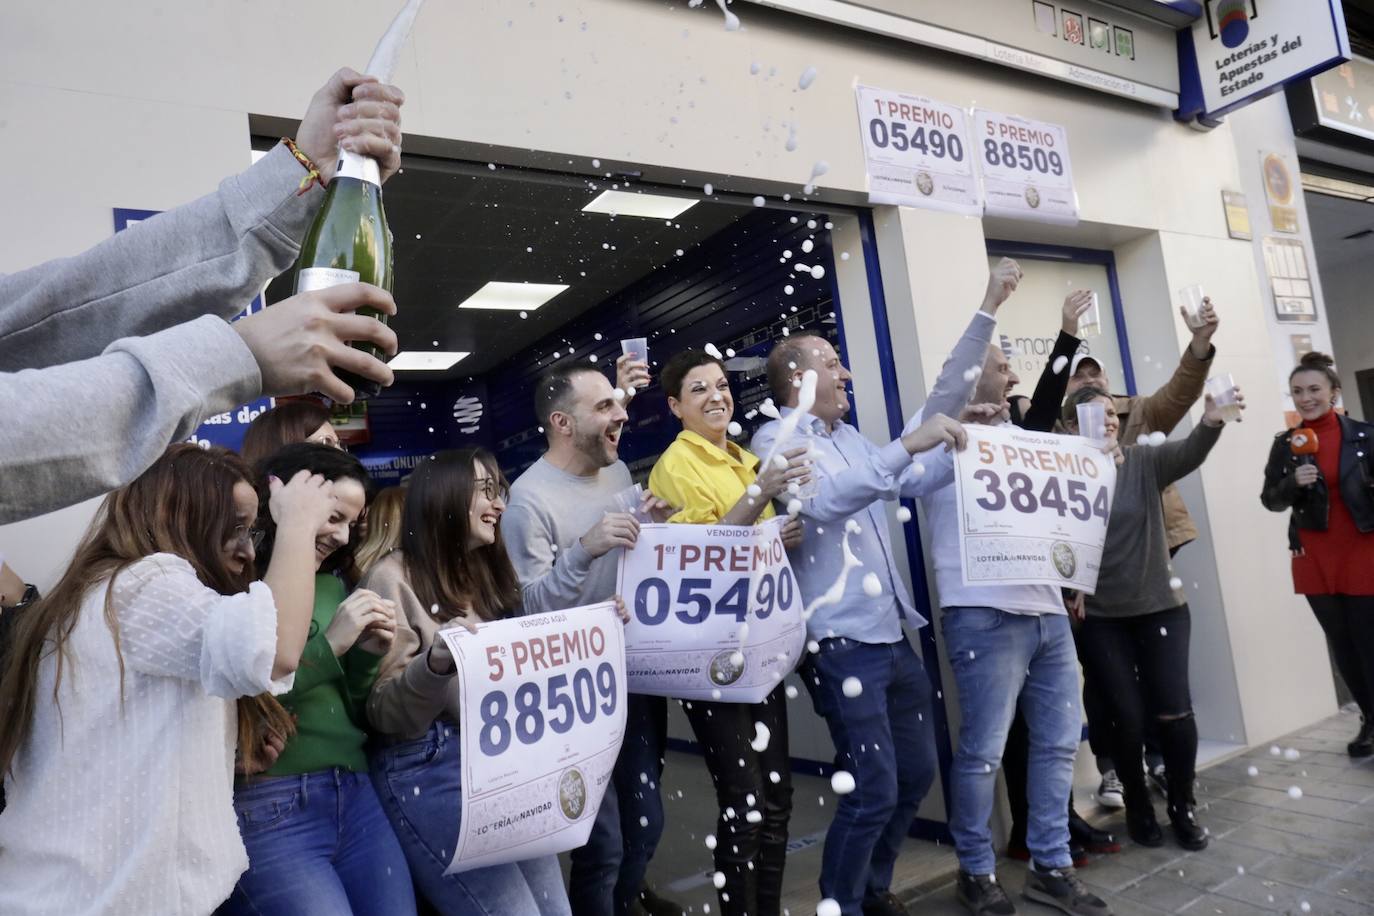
{"x":1026,"y":169}
{"x":543,"y":714}
{"x":916,"y":152}
{"x":715,"y":613}
{"x":1033,"y":507}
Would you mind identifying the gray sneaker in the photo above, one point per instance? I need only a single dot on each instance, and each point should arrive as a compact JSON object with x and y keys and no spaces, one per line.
{"x":1061,"y":889}
{"x":981,"y":895}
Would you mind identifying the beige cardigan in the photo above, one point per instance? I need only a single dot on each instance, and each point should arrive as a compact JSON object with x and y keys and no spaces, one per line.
{"x":407,"y":696}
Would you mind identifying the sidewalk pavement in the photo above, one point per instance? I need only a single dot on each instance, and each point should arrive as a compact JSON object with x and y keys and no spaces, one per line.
{"x":1296,"y":837}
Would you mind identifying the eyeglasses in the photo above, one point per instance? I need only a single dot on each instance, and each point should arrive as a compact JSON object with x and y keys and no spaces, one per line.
{"x":489,"y":488}
{"x":244,"y":536}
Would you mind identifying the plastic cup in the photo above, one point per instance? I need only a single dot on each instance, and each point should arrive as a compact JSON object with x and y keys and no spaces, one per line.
{"x":1090,"y":324}
{"x":1190,"y":297}
{"x":1092,"y":421}
{"x":631,"y":500}
{"x":637,"y":347}
{"x":1222,"y":388}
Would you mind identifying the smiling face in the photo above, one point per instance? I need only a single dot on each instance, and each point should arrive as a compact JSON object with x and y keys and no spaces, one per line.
{"x":704,"y":404}
{"x":349,"y":501}
{"x":596,"y":419}
{"x":238,"y":551}
{"x":997,"y":379}
{"x":1312,"y":394}
{"x":488,"y":503}
{"x":832,"y":379}
{"x":1089,"y":373}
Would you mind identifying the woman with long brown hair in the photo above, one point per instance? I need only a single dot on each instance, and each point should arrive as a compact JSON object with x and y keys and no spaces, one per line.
{"x":1324,"y":472}
{"x":451,"y":570}
{"x":117,"y":737}
{"x":296,"y":420}
{"x":316,"y":835}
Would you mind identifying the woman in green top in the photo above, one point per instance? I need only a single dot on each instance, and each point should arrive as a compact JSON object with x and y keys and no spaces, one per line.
{"x":317,"y":838}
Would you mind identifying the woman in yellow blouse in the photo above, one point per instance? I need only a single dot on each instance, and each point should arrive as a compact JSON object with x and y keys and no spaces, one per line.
{"x":706,"y":477}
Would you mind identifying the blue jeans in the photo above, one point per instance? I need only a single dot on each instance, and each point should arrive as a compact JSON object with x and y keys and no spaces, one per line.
{"x":419,"y":783}
{"x":318,"y":844}
{"x":885,"y":738}
{"x":608,"y":871}
{"x":998,"y":658}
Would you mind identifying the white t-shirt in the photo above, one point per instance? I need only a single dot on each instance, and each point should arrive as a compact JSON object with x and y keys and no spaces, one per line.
{"x":128,"y":808}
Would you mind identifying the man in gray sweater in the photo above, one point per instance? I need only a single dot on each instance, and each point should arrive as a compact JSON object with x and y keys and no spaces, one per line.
{"x":109,"y":356}
{"x":562,"y":525}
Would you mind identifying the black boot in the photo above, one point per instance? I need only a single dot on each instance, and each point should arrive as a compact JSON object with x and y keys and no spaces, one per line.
{"x":1142,"y":825}
{"x":1089,"y":837}
{"x":1187,"y":830}
{"x":1363,"y":745}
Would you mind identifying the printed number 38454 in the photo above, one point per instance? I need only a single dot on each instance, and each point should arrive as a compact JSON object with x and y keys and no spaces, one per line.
{"x":1020,"y":494}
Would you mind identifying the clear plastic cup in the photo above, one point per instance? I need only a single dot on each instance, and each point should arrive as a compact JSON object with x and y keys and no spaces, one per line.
{"x":1190,"y":297}
{"x":638,"y":346}
{"x":631,"y":500}
{"x":1092,"y":421}
{"x":1090,"y":324}
{"x":1222,"y":388}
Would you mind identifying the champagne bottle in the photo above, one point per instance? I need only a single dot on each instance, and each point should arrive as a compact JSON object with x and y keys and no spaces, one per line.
{"x":349,"y":242}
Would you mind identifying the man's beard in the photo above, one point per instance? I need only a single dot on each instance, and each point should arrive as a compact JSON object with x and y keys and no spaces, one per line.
{"x":591,"y":444}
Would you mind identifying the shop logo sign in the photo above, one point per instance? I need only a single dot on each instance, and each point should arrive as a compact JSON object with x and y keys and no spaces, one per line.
{"x":1229,"y":20}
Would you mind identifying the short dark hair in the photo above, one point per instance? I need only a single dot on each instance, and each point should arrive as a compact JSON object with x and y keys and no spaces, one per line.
{"x":677,"y":368}
{"x":289,"y":421}
{"x":331,"y":464}
{"x":1317,"y":362}
{"x":788,"y":355}
{"x":1082,"y":396}
{"x":553,"y":392}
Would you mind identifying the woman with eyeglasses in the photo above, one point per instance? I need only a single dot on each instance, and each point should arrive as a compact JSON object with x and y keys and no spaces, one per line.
{"x":451,"y":570}
{"x":316,"y":835}
{"x":117,"y":738}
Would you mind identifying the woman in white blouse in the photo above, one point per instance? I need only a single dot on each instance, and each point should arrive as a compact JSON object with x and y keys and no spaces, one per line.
{"x":117,"y":737}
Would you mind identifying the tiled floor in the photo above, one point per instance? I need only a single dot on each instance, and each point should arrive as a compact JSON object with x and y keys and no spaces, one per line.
{"x":1270,"y":852}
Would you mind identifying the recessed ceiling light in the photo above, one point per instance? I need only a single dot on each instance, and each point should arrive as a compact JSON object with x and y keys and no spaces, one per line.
{"x":425,"y":360}
{"x":512,"y":297}
{"x":624,"y":203}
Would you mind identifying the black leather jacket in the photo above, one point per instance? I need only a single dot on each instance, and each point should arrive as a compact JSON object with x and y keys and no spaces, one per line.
{"x":1311,"y":505}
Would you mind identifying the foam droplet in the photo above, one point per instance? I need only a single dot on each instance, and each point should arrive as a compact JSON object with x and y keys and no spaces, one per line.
{"x":1252,"y":771}
{"x":817,"y":272}
{"x":1294,"y":792}
{"x":903,"y":514}
{"x":813,"y":647}
{"x":754,"y":490}
{"x":761,"y":737}
{"x":852,"y":687}
{"x":842,"y":782}
{"x":794,"y":507}
{"x":1059,"y":363}
{"x":872,"y":587}
{"x":807,"y":78}
{"x":619,"y":394}
{"x":718,"y":879}
{"x":708,"y":189}
{"x":1157,"y":438}
{"x":790,"y":691}
{"x":1176,"y":583}
{"x":711,"y":349}
{"x":710,"y":841}
{"x":734,"y":428}
{"x":1291,"y":753}
{"x":759,"y":201}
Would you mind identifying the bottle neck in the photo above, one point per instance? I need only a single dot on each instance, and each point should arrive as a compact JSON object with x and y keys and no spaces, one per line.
{"x":352,"y":165}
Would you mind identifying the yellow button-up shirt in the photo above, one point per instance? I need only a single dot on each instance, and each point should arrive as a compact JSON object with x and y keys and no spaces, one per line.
{"x":701,"y":481}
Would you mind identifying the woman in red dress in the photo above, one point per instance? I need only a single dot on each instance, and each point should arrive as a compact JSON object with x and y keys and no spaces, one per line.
{"x":1324,"y":472}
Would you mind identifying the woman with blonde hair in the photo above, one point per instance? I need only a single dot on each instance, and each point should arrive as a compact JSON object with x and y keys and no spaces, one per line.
{"x":383,"y":529}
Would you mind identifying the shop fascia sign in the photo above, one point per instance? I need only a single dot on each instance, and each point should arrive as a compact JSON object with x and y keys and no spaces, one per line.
{"x":1239,"y":51}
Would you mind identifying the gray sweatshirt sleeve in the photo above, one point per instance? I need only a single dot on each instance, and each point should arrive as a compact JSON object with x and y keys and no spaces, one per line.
{"x":951,"y":390}
{"x":210,"y":256}
{"x":81,"y":429}
{"x":549,"y":580}
{"x":1175,"y":460}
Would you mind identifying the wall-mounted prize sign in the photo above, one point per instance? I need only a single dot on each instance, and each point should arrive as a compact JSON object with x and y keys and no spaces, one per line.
{"x":917,"y":153}
{"x":1241,"y":50}
{"x":1026,"y":169}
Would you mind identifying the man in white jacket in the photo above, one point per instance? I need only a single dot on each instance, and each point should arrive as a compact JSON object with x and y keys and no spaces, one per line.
{"x":109,"y":356}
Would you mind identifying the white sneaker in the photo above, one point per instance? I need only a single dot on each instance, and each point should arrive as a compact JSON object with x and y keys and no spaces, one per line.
{"x":1110,"y":793}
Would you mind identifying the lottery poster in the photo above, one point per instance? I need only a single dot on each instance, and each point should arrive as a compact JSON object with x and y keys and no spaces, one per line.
{"x":1033,"y":507}
{"x":715,"y":612}
{"x":542,"y":718}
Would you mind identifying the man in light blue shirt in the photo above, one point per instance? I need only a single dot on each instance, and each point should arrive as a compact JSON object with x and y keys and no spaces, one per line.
{"x":884,"y":735}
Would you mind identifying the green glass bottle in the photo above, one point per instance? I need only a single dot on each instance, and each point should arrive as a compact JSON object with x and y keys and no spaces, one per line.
{"x":349,"y":242}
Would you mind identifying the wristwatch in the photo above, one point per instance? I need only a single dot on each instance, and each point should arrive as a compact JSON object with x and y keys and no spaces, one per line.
{"x":29,"y":597}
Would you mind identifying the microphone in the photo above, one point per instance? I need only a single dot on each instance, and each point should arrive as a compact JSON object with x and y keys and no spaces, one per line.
{"x":1303,"y":443}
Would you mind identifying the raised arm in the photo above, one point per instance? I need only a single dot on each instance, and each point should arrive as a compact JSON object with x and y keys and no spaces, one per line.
{"x":955,"y":383}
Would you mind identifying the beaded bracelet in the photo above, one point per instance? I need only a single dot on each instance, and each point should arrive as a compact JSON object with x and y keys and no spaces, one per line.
{"x":312,"y":171}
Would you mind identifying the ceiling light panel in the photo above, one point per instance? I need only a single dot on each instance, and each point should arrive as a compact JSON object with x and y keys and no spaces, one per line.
{"x":512,"y":297}
{"x":425,"y":360}
{"x":625,"y":203}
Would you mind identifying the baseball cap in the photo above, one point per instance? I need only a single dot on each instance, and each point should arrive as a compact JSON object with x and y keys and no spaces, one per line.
{"x":1079,"y":359}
